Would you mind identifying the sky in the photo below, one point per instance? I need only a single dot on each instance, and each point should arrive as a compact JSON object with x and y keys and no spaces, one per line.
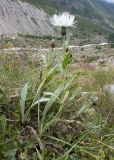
{"x":110,"y":1}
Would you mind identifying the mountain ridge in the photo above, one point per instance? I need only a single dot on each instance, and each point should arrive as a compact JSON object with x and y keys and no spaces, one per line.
{"x":32,"y":17}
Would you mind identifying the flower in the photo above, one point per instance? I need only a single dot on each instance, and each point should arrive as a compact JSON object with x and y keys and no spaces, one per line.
{"x":63,"y":20}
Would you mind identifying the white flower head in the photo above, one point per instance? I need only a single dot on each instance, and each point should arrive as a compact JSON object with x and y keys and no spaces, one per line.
{"x":63,"y":20}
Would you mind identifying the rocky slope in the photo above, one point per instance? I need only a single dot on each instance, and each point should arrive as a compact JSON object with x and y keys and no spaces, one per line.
{"x":21,"y":17}
{"x":30,"y":16}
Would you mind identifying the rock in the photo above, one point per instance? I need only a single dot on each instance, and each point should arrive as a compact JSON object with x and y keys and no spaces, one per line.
{"x":101,"y":61}
{"x":109,"y":88}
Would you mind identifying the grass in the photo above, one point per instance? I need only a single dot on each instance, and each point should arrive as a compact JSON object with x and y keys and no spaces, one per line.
{"x":43,"y":114}
{"x":15,"y":72}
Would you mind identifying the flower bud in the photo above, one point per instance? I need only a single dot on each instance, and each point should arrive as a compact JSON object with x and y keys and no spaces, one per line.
{"x":53,"y":44}
{"x":63,"y":31}
{"x":66,"y":49}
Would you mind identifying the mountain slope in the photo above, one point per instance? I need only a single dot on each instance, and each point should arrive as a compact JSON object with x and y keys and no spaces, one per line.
{"x":21,"y":17}
{"x":94,"y":9}
{"x":31,"y":16}
{"x":93,"y":16}
{"x":89,"y":8}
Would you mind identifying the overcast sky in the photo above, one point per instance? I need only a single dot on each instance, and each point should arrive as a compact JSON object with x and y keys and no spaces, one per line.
{"x":110,"y":1}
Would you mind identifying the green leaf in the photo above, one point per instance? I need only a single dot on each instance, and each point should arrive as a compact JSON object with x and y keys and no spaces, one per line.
{"x":75,"y":93}
{"x":52,"y":73}
{"x":1,"y":89}
{"x":65,"y":97}
{"x":50,"y":102}
{"x":48,"y":93}
{"x":1,"y":96}
{"x":23,"y":101}
{"x":65,"y":157}
{"x":3,"y":123}
{"x":67,"y":60}
{"x":43,"y":99}
{"x":84,"y":108}
{"x":70,"y":82}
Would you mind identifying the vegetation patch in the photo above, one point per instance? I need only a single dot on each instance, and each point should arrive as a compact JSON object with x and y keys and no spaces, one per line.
{"x":43,"y":114}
